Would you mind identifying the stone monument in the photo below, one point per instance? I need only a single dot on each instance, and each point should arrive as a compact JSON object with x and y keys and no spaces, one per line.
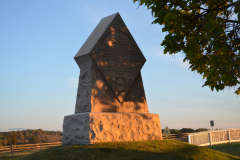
{"x":111,"y":103}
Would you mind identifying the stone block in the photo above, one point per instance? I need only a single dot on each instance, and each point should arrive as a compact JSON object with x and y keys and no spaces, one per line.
{"x":93,"y":127}
{"x":95,"y":95}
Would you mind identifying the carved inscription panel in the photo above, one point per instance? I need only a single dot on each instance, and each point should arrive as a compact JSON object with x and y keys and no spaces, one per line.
{"x":119,"y":60}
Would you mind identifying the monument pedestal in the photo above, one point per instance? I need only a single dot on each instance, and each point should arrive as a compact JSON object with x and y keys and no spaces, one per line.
{"x":91,"y":127}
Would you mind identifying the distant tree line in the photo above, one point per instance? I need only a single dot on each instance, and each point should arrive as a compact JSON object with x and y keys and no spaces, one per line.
{"x":37,"y":136}
{"x":179,"y":132}
{"x":29,"y":136}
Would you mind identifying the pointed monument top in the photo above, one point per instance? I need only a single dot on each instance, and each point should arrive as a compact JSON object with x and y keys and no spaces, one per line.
{"x":115,"y":53}
{"x":95,"y":35}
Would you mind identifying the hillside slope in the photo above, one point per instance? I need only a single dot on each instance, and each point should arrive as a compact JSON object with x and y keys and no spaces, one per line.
{"x":165,"y":149}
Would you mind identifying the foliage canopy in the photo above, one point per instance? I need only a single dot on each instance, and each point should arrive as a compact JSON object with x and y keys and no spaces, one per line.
{"x":207,"y":31}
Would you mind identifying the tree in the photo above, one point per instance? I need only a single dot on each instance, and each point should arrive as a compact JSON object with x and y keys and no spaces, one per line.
{"x":187,"y":130}
{"x":59,"y":133}
{"x":5,"y":141}
{"x":39,"y":132}
{"x":12,"y":136}
{"x":207,"y":32}
{"x":21,"y":137}
{"x":201,"y":129}
{"x":174,"y":131}
{"x":27,"y":135}
{"x":34,"y":139}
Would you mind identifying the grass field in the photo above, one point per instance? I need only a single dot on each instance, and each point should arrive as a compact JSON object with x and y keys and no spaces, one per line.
{"x":233,"y":148}
{"x":141,"y":150}
{"x":17,"y":155}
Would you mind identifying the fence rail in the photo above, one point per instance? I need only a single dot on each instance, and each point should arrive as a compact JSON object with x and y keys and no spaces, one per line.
{"x":209,"y":138}
{"x":15,"y":149}
{"x":183,"y":137}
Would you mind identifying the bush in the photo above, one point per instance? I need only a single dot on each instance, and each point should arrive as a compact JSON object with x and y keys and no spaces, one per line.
{"x":187,"y":130}
{"x":201,"y":129}
{"x":34,"y":139}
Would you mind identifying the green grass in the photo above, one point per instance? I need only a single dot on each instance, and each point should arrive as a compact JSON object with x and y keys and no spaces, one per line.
{"x":141,"y":150}
{"x":16,"y":155}
{"x":10,"y":158}
{"x":233,"y":148}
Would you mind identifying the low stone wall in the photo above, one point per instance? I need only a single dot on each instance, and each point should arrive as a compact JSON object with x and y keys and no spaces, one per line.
{"x":214,"y":137}
{"x":92,"y":127}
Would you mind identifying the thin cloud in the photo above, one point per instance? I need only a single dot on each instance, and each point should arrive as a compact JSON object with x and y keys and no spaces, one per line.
{"x":178,"y":58}
{"x":72,"y":83}
{"x":158,"y":52}
{"x":183,"y":64}
{"x":16,"y":129}
{"x":221,"y":125}
{"x":236,"y":125}
{"x":89,"y":15}
{"x":186,"y":126}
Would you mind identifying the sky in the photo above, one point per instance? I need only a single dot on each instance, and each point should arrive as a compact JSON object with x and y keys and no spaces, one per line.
{"x":39,"y":77}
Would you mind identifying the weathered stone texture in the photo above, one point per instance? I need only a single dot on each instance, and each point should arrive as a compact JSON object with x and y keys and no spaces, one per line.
{"x":95,"y":95}
{"x":111,"y":104}
{"x":87,"y":128}
{"x":83,"y":102}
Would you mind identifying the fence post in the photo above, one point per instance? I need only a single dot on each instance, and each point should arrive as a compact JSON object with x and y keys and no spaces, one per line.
{"x":189,"y":139}
{"x":12,"y":149}
{"x":210,"y":138}
{"x":229,"y":136}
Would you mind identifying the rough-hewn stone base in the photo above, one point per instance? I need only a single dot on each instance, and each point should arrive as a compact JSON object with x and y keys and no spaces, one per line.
{"x":91,"y":127}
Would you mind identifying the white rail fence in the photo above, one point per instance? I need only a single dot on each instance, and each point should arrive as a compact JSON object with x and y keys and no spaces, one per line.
{"x":209,"y":138}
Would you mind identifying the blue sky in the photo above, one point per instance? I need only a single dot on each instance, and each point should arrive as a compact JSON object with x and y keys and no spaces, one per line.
{"x":38,"y":40}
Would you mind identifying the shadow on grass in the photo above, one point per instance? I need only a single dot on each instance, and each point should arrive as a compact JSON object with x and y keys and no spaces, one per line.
{"x":165,"y":149}
{"x":12,"y":158}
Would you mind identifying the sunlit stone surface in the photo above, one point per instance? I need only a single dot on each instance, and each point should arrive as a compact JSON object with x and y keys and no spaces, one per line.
{"x":91,"y":127}
{"x":111,"y":103}
{"x":95,"y":95}
{"x":115,"y":53}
